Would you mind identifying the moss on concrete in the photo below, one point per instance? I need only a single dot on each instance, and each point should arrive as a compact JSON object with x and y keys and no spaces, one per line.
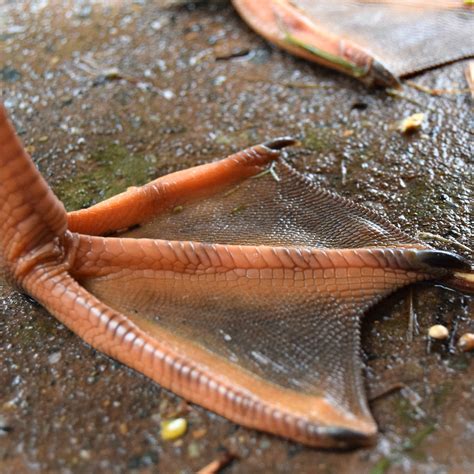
{"x":108,"y":171}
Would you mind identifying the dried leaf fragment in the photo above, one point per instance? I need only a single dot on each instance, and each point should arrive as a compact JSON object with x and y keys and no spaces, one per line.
{"x":412,"y":123}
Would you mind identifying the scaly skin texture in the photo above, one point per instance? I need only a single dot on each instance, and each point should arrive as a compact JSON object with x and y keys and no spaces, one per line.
{"x":79,"y":276}
{"x":122,"y":211}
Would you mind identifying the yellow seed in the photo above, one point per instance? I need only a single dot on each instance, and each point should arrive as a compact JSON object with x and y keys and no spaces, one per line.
{"x":411,"y":123}
{"x":466,"y":342}
{"x":438,"y":331}
{"x":173,"y":429}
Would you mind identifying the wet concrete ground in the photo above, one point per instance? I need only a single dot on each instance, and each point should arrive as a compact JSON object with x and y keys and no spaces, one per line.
{"x":106,"y":95}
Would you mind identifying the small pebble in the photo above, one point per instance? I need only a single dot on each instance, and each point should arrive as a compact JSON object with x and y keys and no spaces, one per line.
{"x":84,"y":454}
{"x":54,"y":358}
{"x":156,"y":417}
{"x":168,"y":94}
{"x":438,"y":331}
{"x":193,"y":450}
{"x":173,"y":429}
{"x":156,"y":25}
{"x":219,"y":80}
{"x":466,"y":342}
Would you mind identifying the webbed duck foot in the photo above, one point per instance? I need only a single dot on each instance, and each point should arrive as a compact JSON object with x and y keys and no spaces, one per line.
{"x":238,"y":286}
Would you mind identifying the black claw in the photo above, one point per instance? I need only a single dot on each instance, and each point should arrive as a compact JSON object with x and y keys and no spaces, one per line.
{"x":279,"y":143}
{"x":442,"y":259}
{"x":381,"y":76}
{"x":348,"y":439}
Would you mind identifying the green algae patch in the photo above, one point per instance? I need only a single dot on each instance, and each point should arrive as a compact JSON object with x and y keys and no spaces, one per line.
{"x":107,"y":172}
{"x":382,"y":466}
{"x":322,"y":139}
{"x":441,"y":393}
{"x":406,"y":411}
{"x":460,"y":363}
{"x":318,"y":139}
{"x":410,"y":447}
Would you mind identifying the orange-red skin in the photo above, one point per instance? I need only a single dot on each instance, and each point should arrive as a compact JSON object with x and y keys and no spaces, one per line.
{"x":43,"y":251}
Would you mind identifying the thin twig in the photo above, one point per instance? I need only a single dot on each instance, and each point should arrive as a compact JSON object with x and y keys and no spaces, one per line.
{"x":232,"y":190}
{"x":412,"y":318}
{"x":290,"y":84}
{"x":436,"y":92}
{"x":469,"y":73}
{"x":387,"y":390}
{"x":269,"y":170}
{"x":444,"y":240}
{"x":399,"y":95}
{"x":343,"y":172}
{"x":215,"y":466}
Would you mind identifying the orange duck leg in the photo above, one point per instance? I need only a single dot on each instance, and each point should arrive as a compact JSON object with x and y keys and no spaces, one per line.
{"x":247,"y":301}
